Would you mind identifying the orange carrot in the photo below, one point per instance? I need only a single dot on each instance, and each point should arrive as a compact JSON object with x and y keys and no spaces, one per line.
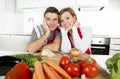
{"x":35,"y":75}
{"x":46,"y":76}
{"x":56,"y":74}
{"x":39,"y":70}
{"x":58,"y":69}
{"x":48,"y":72}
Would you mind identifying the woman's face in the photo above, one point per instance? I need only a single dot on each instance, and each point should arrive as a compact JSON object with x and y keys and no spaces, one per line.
{"x":51,"y":20}
{"x":67,"y":20}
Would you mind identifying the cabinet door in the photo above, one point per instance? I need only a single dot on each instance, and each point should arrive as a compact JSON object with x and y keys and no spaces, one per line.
{"x":4,"y":42}
{"x":19,"y":43}
{"x":92,"y":2}
{"x":114,"y":46}
{"x":14,"y":42}
{"x":26,"y":4}
{"x":36,"y":4}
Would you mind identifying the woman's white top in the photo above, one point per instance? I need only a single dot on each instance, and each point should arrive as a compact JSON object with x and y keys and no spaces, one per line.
{"x":80,"y":43}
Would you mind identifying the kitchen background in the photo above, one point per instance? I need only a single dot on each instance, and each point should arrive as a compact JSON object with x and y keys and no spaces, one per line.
{"x":17,"y":18}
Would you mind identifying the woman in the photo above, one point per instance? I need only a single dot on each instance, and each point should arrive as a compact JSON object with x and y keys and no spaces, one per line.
{"x":73,"y":36}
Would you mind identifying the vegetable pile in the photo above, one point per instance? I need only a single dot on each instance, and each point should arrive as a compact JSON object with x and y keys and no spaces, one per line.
{"x":87,"y":67}
{"x":49,"y":70}
{"x":43,"y":69}
{"x":113,"y":64}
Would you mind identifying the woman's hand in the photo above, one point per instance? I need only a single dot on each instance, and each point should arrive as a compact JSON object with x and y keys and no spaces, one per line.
{"x":77,"y":24}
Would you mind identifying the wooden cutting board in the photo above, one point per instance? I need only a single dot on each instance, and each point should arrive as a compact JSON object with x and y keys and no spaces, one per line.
{"x":102,"y":73}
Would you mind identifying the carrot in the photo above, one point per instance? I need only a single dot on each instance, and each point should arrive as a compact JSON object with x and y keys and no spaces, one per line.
{"x":46,"y":76}
{"x":58,"y":69}
{"x":48,"y":72}
{"x":39,"y":70}
{"x":35,"y":75}
{"x":56,"y":74}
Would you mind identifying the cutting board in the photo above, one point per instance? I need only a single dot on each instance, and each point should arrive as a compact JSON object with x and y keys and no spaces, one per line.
{"x":102,"y":73}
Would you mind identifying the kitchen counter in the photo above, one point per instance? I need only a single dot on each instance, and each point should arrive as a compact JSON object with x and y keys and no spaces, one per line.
{"x":99,"y":58}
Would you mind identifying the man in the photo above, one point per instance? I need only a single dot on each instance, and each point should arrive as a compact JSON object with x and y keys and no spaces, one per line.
{"x":46,"y":36}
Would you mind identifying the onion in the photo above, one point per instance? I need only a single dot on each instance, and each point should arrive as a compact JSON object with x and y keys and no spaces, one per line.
{"x":74,"y":52}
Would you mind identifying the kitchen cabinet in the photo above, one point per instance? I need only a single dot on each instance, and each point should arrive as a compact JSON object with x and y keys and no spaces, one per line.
{"x":10,"y":42}
{"x":92,"y":2}
{"x":114,"y":46}
{"x":91,"y":5}
{"x":36,"y":4}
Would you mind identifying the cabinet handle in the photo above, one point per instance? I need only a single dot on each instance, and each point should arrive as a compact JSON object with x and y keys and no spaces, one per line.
{"x":116,"y":44}
{"x":97,"y":47}
{"x":115,"y":49}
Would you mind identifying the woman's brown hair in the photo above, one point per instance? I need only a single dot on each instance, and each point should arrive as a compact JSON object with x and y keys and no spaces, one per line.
{"x":68,"y":9}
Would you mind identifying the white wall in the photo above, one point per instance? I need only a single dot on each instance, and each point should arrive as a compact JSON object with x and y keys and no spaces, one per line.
{"x":104,"y":22}
{"x":10,"y":20}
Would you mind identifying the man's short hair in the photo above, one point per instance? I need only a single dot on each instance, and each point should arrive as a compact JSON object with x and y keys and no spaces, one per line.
{"x":51,"y":10}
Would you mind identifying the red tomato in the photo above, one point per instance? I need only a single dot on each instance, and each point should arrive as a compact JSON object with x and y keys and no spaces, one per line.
{"x":81,"y":63}
{"x":91,"y":60}
{"x":90,"y":70}
{"x":64,"y":61}
{"x":94,"y":61}
{"x":73,"y":69}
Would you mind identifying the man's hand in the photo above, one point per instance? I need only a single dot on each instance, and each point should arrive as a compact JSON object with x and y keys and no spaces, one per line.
{"x":46,"y":28}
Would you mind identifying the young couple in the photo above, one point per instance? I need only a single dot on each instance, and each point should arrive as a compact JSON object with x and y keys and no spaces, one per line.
{"x":60,"y":32}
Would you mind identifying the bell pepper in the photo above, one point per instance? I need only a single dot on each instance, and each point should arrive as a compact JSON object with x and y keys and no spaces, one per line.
{"x":19,"y":71}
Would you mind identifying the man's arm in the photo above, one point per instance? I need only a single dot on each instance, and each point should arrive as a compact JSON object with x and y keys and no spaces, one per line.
{"x":37,"y":44}
{"x":55,"y":46}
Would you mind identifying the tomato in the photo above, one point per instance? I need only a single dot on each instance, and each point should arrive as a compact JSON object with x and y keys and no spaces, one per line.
{"x":64,"y":61}
{"x":94,"y":61}
{"x":73,"y":69}
{"x":81,"y":63}
{"x":90,"y":70}
{"x":91,"y":60}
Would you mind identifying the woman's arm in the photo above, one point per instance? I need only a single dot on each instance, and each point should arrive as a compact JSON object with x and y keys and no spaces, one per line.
{"x":65,"y":43}
{"x":85,"y":42}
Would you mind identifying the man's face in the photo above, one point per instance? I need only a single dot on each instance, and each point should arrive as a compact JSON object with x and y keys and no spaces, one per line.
{"x":51,"y":20}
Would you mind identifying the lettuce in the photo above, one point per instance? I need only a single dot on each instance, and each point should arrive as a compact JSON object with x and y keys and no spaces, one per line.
{"x":113,"y":64}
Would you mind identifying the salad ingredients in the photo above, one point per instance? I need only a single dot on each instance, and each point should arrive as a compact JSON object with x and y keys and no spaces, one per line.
{"x":74,"y":52}
{"x":64,"y":61}
{"x":91,"y":60}
{"x":19,"y":71}
{"x":39,"y":70}
{"x":81,"y":63}
{"x":113,"y":64}
{"x":73,"y":69}
{"x":58,"y":69}
{"x":29,"y":59}
{"x":90,"y":70}
{"x":48,"y":72}
{"x":55,"y":73}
